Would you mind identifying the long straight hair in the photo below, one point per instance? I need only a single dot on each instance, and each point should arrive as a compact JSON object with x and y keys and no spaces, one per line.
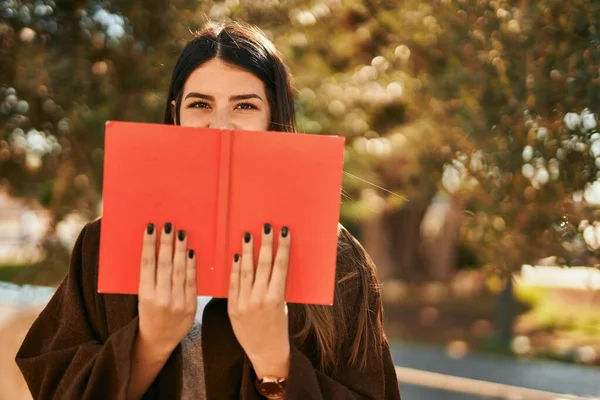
{"x":342,"y":333}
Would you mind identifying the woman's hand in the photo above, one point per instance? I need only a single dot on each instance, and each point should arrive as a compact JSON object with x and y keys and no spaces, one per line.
{"x":167,"y":290}
{"x":166,"y":305}
{"x":256,"y":305}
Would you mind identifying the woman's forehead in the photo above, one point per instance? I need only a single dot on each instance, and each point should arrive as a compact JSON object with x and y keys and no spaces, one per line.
{"x":218,"y":78}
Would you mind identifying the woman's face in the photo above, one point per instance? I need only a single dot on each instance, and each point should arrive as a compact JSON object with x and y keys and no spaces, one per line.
{"x":219,"y":95}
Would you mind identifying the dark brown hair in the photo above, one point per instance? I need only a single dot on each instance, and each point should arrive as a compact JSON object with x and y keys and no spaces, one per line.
{"x":350,"y":332}
{"x":246,"y":47}
{"x":354,"y":321}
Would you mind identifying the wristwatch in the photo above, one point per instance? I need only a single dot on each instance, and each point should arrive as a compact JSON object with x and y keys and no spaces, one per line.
{"x":270,"y":387}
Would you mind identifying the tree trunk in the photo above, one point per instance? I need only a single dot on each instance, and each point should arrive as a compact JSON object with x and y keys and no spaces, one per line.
{"x":404,"y":226}
{"x":376,"y":240}
{"x":440,"y":230}
{"x":505,"y":317}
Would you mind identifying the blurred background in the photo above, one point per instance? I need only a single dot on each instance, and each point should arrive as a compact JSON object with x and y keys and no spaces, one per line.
{"x":472,"y":168}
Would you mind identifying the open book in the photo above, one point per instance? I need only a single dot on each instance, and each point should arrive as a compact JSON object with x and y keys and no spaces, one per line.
{"x":216,"y":185}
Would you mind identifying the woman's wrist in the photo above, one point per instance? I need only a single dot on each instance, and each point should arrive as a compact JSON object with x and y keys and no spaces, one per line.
{"x":277,"y":368}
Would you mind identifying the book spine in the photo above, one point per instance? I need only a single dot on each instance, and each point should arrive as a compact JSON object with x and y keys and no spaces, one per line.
{"x":221,"y":262}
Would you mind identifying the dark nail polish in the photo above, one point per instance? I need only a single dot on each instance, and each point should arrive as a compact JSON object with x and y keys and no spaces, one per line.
{"x":168,"y":228}
{"x":267,"y":229}
{"x":247,"y":237}
{"x":181,"y":235}
{"x":284,"y":231}
{"x":236,"y":257}
{"x":150,"y":228}
{"x":191,"y":254}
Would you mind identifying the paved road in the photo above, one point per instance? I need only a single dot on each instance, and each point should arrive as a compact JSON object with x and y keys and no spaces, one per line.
{"x":541,"y":375}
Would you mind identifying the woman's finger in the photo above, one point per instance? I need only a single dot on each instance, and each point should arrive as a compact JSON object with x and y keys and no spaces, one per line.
{"x":280,"y":267}
{"x":234,"y":283}
{"x":190,"y":278}
{"x":247,"y":268}
{"x":179,"y":270}
{"x":265,"y":262}
{"x":148,"y":261}
{"x":165,"y":262}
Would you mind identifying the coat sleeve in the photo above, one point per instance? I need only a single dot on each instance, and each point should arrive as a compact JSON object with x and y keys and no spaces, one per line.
{"x":378,"y":380}
{"x":67,"y":353}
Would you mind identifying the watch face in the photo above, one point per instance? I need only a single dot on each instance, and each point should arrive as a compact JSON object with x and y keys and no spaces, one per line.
{"x":271,"y":389}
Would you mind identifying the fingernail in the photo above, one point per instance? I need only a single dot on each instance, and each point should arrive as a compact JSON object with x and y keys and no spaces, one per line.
{"x":284,"y":231}
{"x":181,"y":235}
{"x":191,"y":254}
{"x":168,"y":227}
{"x":236,"y":257}
{"x":267,"y":229}
{"x":247,"y":237}
{"x":150,"y":228}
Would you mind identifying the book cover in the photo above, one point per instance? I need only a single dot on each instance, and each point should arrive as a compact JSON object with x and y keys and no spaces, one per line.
{"x":218,"y":184}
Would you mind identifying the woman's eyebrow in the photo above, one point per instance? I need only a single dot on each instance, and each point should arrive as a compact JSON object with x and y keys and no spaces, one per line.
{"x":232,"y":98}
{"x":246,"y":97}
{"x":199,"y":96}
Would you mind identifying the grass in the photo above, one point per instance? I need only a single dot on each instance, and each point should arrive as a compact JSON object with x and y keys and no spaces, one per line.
{"x":8,"y":272}
{"x":555,"y":314}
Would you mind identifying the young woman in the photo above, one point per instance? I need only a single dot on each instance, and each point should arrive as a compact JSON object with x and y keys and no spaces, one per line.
{"x":86,"y":345}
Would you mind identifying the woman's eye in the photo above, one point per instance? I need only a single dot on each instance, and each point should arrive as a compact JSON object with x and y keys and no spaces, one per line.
{"x":199,"y":104}
{"x":247,"y":106}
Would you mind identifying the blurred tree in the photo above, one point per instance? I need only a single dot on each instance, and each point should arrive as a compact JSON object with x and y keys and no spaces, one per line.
{"x":66,"y":70}
{"x":358,"y":77}
{"x":512,"y":71}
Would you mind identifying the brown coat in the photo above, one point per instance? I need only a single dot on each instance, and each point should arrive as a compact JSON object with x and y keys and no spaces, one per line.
{"x":80,"y":348}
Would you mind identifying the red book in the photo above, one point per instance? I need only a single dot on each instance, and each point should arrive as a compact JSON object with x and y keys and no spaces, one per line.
{"x":216,"y":185}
